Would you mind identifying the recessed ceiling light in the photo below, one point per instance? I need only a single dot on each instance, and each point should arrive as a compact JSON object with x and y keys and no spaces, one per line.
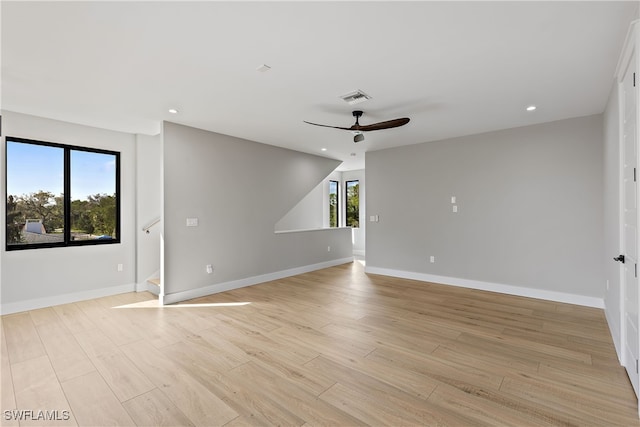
{"x":323,"y":149}
{"x":173,"y":111}
{"x":531,"y":108}
{"x":353,"y":154}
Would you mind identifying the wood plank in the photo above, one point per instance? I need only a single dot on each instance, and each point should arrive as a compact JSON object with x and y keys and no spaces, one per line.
{"x":490,"y":408}
{"x":193,"y":356}
{"x":113,"y":322}
{"x":366,"y":383}
{"x":442,"y":370}
{"x":411,"y":382}
{"x":241,"y":396}
{"x":7,"y":395}
{"x":155,"y":409}
{"x":95,"y":343}
{"x":23,"y":341}
{"x":298,"y":400}
{"x":580,"y":406}
{"x":470,"y":354}
{"x":541,"y":350}
{"x":122,"y":376}
{"x":44,"y":316}
{"x":37,"y":389}
{"x":374,"y":411}
{"x":189,"y":395}
{"x":605,"y":389}
{"x":372,"y":336}
{"x":93,"y":402}
{"x":316,"y":344}
{"x":66,"y":355}
{"x":74,"y":318}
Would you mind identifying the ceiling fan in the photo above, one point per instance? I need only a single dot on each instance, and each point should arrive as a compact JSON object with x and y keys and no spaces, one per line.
{"x":357,"y":128}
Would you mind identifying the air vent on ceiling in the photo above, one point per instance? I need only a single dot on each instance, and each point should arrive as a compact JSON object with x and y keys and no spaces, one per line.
{"x":355,"y":97}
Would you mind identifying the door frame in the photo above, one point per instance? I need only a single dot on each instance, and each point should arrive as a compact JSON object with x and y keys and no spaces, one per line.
{"x":631,"y":46}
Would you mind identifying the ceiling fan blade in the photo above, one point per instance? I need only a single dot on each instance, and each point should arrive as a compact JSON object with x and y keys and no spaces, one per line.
{"x":327,"y":126}
{"x":381,"y":125}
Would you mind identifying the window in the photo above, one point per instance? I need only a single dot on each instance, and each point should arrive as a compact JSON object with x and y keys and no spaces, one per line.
{"x":60,"y":195}
{"x":333,"y":204}
{"x":353,"y":204}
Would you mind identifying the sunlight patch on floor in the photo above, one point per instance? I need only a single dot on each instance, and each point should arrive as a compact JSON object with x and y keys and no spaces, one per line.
{"x":156,"y":304}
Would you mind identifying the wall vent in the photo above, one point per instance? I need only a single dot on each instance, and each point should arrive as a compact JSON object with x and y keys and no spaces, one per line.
{"x":355,"y":97}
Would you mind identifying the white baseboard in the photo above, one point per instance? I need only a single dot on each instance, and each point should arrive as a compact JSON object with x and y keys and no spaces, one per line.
{"x":492,"y":287}
{"x":614,"y":330}
{"x":33,"y":304}
{"x":249,"y":281}
{"x":147,"y":287}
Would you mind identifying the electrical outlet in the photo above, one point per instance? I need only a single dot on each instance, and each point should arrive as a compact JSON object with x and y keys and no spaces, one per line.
{"x":455,"y":208}
{"x":328,"y":248}
{"x":209,"y":268}
{"x":607,"y":284}
{"x":432,"y":259}
{"x":120,"y":267}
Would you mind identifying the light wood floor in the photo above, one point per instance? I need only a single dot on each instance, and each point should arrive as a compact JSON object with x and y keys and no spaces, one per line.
{"x":333,"y":347}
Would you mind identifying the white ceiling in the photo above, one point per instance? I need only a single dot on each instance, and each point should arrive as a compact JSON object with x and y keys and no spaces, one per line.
{"x":454,"y":68}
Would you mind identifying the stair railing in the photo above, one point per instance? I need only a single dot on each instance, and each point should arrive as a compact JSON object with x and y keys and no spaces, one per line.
{"x":148,"y":227}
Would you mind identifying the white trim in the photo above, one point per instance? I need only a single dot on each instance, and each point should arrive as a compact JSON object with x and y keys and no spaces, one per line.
{"x":32,"y":304}
{"x":305,"y":230}
{"x":359,"y":252}
{"x":614,"y":333}
{"x":621,"y":197}
{"x":627,"y":49}
{"x":148,"y":287}
{"x":249,"y":281}
{"x":492,"y":287}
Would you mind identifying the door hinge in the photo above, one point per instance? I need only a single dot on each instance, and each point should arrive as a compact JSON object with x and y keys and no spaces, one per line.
{"x":634,"y":79}
{"x":635,"y":270}
{"x":637,"y":371}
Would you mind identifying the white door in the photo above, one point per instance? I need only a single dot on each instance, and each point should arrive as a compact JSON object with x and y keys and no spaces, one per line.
{"x":630,"y":293}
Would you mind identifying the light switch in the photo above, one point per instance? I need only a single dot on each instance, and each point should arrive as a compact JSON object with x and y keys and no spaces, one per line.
{"x":453,"y":199}
{"x":192,"y":222}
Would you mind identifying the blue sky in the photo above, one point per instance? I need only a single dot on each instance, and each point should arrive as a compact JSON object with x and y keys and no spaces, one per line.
{"x":31,"y":168}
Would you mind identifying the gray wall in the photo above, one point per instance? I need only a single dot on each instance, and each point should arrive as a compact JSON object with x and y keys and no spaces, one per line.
{"x":530,"y":207}
{"x":148,"y":205}
{"x":238,"y":190}
{"x":307,"y":214}
{"x":43,"y":277}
